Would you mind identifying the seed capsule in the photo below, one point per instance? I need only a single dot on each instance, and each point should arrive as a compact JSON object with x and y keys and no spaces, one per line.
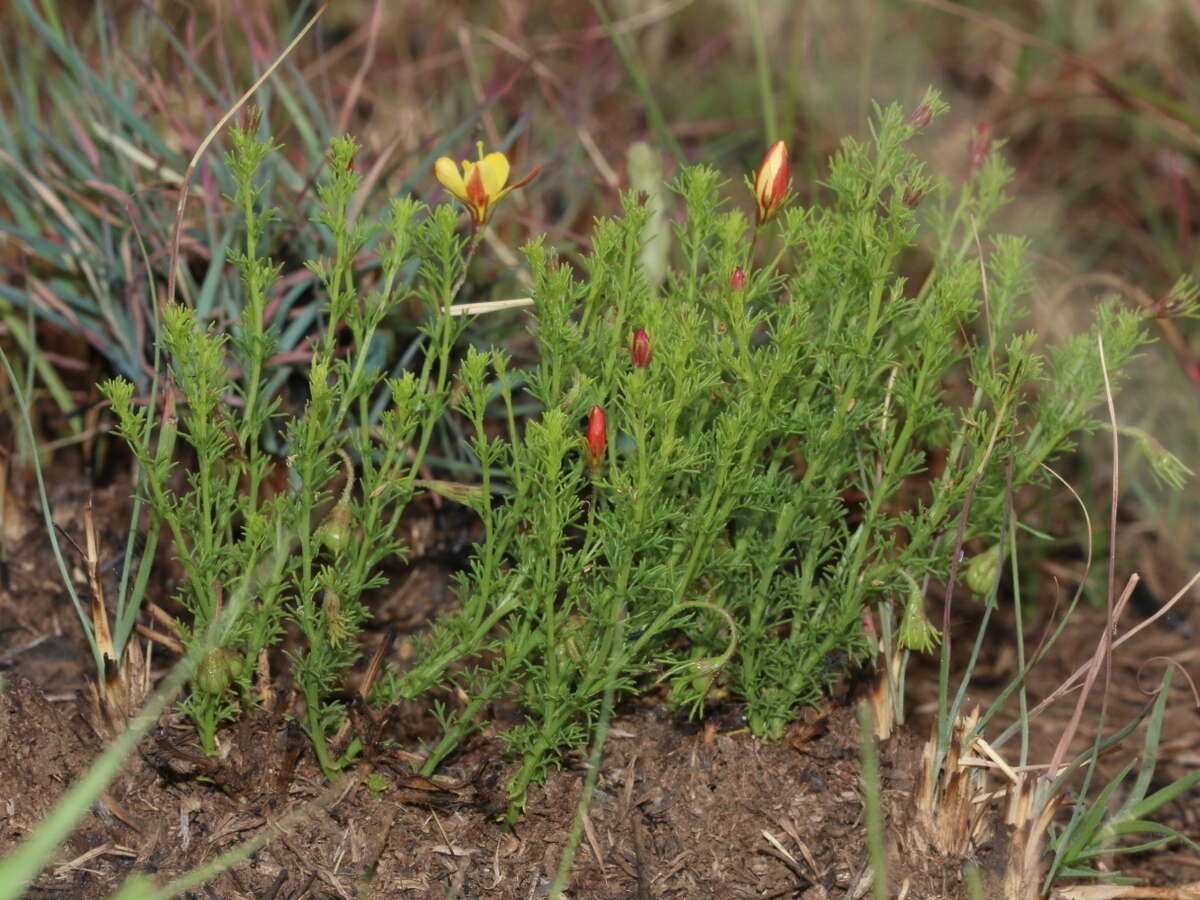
{"x":217,"y":671}
{"x":334,"y":532}
{"x":982,"y":570}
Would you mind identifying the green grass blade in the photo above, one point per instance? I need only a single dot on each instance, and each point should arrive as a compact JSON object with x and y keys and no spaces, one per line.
{"x":872,"y":808}
{"x":1082,"y":830}
{"x":78,"y":66}
{"x":1150,"y":747}
{"x":654,"y":112}
{"x":47,"y":516}
{"x":1163,"y":796}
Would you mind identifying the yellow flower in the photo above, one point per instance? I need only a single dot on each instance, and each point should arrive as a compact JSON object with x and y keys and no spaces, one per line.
{"x":480,"y":184}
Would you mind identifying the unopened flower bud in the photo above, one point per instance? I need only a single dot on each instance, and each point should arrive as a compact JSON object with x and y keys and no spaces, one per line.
{"x":771,"y":182}
{"x":978,"y":149}
{"x":737,"y":280}
{"x":597,"y":437}
{"x":639,"y":350}
{"x":920,"y":117}
{"x":913,"y":197}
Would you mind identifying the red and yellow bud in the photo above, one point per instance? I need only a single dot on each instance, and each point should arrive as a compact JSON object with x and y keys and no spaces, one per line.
{"x":913,"y":197}
{"x":771,"y":182}
{"x":981,"y":143}
{"x":920,"y":117}
{"x":480,"y":185}
{"x":639,"y":349}
{"x":737,"y":279}
{"x":597,"y":437}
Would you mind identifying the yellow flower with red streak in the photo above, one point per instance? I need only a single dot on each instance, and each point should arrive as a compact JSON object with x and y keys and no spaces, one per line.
{"x":479,"y":185}
{"x":771,"y":182}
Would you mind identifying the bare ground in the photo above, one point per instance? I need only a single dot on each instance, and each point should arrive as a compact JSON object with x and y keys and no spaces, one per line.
{"x":680,"y":809}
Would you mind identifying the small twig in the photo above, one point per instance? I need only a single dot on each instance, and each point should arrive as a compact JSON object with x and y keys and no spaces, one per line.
{"x":489,"y":306}
{"x":639,"y":850}
{"x":159,"y":638}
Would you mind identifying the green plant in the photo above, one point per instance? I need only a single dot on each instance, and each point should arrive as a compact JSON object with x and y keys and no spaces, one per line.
{"x":304,"y":550}
{"x":756,"y":485}
{"x":949,"y":796}
{"x":747,"y":487}
{"x":1094,"y":828}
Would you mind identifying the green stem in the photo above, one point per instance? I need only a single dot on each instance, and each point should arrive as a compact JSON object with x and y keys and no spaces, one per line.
{"x":762,"y":66}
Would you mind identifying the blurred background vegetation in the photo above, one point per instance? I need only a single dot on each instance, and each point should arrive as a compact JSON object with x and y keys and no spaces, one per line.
{"x":105,"y":103}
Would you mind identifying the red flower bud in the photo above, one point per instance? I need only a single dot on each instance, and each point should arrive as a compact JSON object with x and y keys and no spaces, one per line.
{"x":737,"y":279}
{"x":771,"y":182}
{"x":640,"y":348}
{"x":920,"y":117}
{"x":597,"y":437}
{"x":978,"y":150}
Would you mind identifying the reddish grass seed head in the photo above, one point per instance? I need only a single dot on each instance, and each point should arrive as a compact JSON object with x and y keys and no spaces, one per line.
{"x":977,"y":152}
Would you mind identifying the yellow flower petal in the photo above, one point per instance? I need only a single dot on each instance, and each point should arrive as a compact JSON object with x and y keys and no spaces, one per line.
{"x":447,"y":173}
{"x":479,"y":185}
{"x":494,"y":169}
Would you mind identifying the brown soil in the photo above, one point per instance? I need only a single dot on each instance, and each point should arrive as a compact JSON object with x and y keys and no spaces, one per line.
{"x":679,"y":810}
